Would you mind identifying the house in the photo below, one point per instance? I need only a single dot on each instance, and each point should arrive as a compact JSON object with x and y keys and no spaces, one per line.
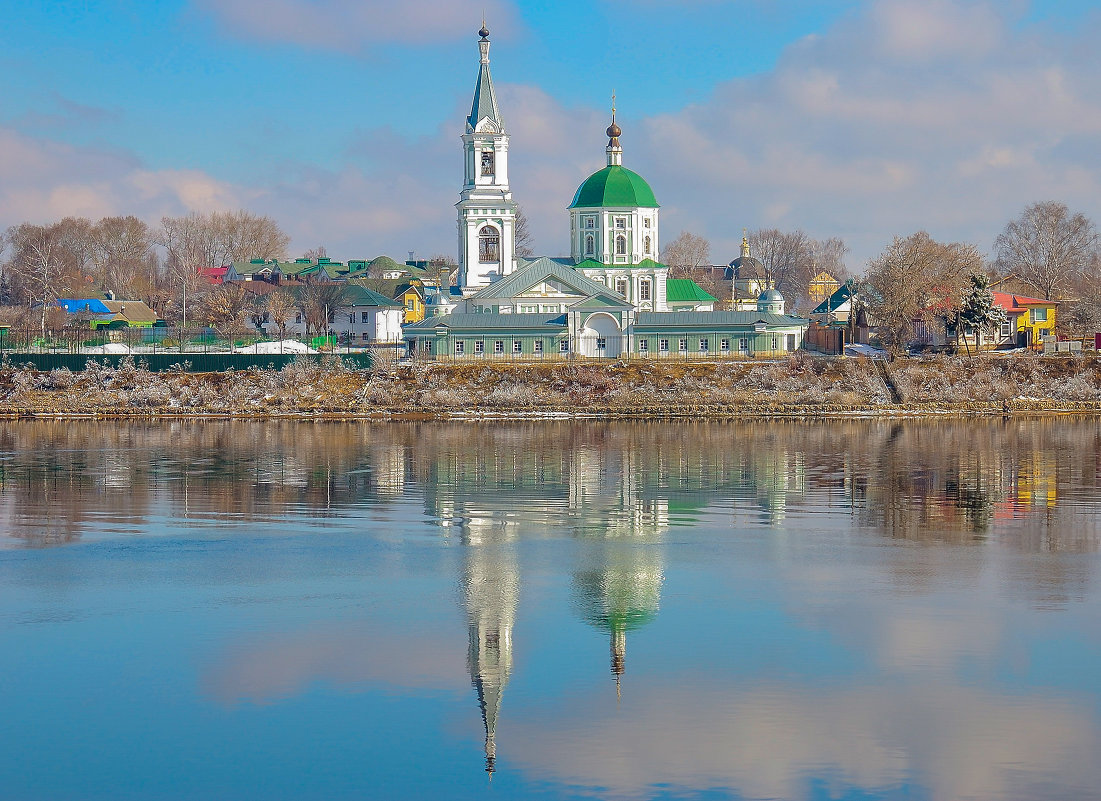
{"x":111,"y":313}
{"x":1030,"y":320}
{"x":255,"y":270}
{"x":409,"y":293}
{"x":365,"y":317}
{"x":215,"y":275}
{"x":822,"y":286}
{"x":838,"y":306}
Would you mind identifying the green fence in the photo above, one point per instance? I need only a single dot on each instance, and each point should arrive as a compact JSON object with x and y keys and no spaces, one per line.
{"x":191,"y":362}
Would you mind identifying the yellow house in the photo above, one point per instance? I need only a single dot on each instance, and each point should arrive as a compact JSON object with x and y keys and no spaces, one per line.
{"x":412,"y":297}
{"x":1030,"y":319}
{"x":821,"y":287}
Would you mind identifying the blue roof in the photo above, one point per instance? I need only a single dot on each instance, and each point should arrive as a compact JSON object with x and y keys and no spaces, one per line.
{"x":91,"y":305}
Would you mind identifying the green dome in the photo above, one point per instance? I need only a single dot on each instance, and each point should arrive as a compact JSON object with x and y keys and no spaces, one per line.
{"x":614,"y":186}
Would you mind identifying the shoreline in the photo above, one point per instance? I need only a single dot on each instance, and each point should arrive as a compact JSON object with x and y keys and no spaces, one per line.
{"x":798,"y":388}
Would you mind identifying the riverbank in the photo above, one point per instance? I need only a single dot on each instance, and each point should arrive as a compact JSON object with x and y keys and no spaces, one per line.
{"x":802,"y":386}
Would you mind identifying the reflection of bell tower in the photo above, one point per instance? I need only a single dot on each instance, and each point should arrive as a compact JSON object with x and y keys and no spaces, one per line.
{"x":491,"y":586}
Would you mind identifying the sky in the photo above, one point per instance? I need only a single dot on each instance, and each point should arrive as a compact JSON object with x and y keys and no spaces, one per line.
{"x":342,"y":119}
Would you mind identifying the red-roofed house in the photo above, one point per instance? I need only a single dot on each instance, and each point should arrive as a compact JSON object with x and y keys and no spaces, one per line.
{"x":215,"y":275}
{"x":1030,"y":319}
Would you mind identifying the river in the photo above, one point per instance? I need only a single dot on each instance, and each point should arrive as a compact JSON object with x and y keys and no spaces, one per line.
{"x":550,"y":610}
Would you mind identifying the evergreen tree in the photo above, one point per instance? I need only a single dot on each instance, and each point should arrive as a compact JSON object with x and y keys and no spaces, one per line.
{"x":979,"y":311}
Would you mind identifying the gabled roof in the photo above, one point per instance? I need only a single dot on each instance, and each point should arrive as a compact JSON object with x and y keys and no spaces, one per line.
{"x":685,"y":290}
{"x":390,"y":287}
{"x":255,"y":266}
{"x":1018,"y":302}
{"x":354,"y":295}
{"x":535,"y":272}
{"x":837,"y":299}
{"x":553,"y":323}
{"x":602,"y":300}
{"x":132,"y":311}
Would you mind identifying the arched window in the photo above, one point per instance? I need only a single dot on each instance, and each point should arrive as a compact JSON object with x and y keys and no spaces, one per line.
{"x":646,"y":244}
{"x":621,"y":245}
{"x":489,"y":244}
{"x":621,"y":286}
{"x":590,"y":245}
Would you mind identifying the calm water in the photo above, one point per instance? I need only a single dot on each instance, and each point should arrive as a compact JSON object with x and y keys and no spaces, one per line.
{"x":547,"y":611}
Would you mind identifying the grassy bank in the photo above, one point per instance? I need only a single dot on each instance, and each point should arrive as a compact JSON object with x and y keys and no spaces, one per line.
{"x":802,"y":385}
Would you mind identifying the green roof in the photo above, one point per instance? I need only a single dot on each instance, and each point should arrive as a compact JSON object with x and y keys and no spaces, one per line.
{"x":552,"y":323}
{"x":535,"y":272}
{"x":616,"y":187}
{"x":713,"y":320}
{"x":685,"y":290}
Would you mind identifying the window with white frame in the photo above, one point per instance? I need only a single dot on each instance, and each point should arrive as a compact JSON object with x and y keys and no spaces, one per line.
{"x":646,"y":245}
{"x":601,"y":343}
{"x":487,"y":162}
{"x":460,"y":346}
{"x":590,"y":222}
{"x":479,"y":346}
{"x":621,"y":245}
{"x":643,"y":346}
{"x":645,"y":289}
{"x":743,"y":345}
{"x":776,"y":343}
{"x":590,"y":244}
{"x":499,"y":346}
{"x":621,"y":286}
{"x":1007,"y":329}
{"x":366,"y":337}
{"x":645,"y":222}
{"x":682,"y":345}
{"x":489,"y":244}
{"x":1037,"y":315}
{"x":663,"y":345}
{"x":564,"y":346}
{"x":724,"y":345}
{"x":703,"y":345}
{"x":538,"y":346}
{"x":517,"y":346}
{"x":363,"y":318}
{"x":621,"y":222}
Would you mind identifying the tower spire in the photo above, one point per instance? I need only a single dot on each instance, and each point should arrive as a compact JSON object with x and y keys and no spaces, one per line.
{"x":614,"y":150}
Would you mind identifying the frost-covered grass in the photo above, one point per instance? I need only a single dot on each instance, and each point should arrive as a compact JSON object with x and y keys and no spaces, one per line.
{"x":800,"y":383}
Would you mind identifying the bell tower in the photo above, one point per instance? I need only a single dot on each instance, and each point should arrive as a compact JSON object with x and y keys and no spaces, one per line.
{"x":486,"y":211}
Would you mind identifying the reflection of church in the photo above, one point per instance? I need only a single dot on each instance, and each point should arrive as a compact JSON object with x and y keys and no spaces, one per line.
{"x":611,"y":297}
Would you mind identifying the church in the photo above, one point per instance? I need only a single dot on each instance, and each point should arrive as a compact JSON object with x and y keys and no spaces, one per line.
{"x":611,"y":298}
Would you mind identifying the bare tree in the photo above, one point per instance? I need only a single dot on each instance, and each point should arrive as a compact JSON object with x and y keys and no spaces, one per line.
{"x":685,"y":253}
{"x":211,"y":240}
{"x":40,"y":266}
{"x":1047,"y":247}
{"x":319,"y":302}
{"x":121,"y":247}
{"x":279,"y":306}
{"x":918,"y":279}
{"x":829,"y":256}
{"x":522,"y":233}
{"x":318,"y":252}
{"x":227,"y":309}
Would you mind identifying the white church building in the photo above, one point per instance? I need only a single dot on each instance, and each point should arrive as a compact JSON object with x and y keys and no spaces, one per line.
{"x":611,"y":298}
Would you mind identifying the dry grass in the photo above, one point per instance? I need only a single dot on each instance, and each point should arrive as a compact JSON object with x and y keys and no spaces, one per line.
{"x":801,"y":383}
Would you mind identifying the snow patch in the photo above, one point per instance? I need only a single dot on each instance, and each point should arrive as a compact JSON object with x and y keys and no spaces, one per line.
{"x":285,"y":346}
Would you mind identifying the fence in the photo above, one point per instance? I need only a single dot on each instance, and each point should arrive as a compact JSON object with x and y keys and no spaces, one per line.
{"x":163,"y":348}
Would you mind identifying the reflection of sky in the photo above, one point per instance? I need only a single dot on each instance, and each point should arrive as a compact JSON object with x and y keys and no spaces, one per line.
{"x":310,"y":656}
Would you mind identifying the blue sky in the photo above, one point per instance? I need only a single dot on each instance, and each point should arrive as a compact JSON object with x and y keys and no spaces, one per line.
{"x":341,"y":118}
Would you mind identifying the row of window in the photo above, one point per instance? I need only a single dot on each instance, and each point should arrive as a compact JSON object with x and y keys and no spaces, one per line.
{"x":620,"y":222}
{"x":364,"y":317}
{"x":788,"y":342}
{"x":499,"y":346}
{"x":620,"y":245}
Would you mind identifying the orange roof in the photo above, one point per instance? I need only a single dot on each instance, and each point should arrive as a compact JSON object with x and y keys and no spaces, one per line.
{"x":1018,"y":302}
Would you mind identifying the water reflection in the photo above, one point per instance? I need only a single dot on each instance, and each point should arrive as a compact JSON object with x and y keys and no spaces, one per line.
{"x":834,"y":605}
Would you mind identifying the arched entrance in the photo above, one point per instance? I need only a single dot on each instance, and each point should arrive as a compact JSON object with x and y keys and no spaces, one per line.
{"x":601,"y":337}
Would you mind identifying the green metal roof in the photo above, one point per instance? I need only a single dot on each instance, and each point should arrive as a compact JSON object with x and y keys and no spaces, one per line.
{"x":615,"y":187}
{"x":535,"y":272}
{"x":714,"y":320}
{"x":552,"y":323}
{"x":485,"y":101}
{"x":835,"y":301}
{"x":685,"y":290}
